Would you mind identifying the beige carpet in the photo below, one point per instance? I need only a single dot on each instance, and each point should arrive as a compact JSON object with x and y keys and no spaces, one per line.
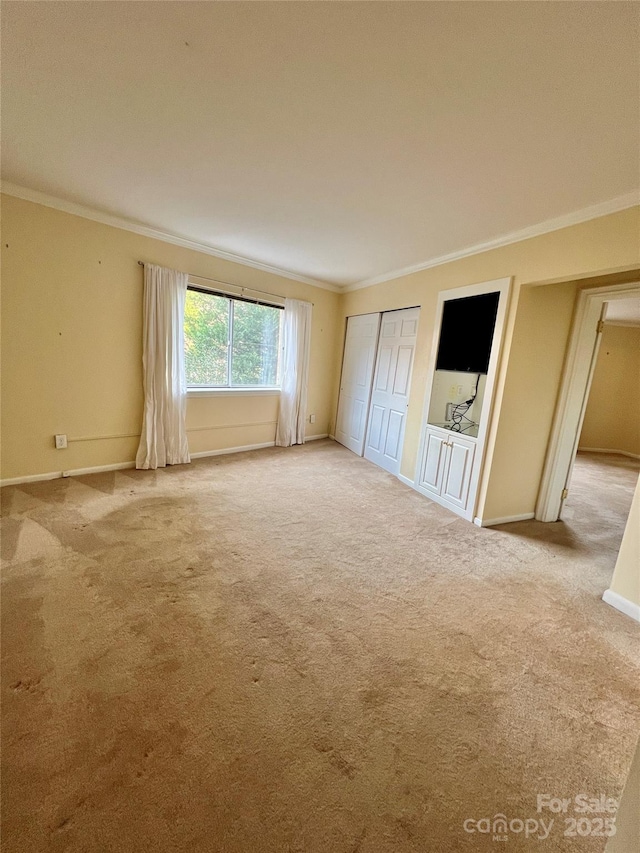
{"x":289,"y":650}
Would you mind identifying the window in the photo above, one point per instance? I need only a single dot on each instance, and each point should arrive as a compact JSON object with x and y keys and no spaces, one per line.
{"x":230,"y":342}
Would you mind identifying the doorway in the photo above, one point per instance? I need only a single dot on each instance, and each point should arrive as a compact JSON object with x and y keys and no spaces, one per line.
{"x":611,"y":422}
{"x":596,"y":509}
{"x":605,"y":470}
{"x":597,"y":307}
{"x":375,"y":385}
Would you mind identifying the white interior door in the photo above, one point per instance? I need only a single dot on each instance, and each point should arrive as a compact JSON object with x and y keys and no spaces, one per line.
{"x":355,"y":383}
{"x":391,"y":384}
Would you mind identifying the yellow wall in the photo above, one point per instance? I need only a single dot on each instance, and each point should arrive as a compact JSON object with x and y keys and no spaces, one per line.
{"x":72,"y":344}
{"x":612,"y":418}
{"x":72,"y":315}
{"x":530,"y":385}
{"x":536,"y":336}
{"x":626,"y":575}
{"x":627,"y":837}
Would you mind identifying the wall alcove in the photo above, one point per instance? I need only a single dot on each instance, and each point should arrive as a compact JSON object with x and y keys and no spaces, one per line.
{"x":461,"y":383}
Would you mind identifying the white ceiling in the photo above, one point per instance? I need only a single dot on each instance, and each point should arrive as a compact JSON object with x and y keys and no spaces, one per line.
{"x":339,"y":141}
{"x":624,"y":312}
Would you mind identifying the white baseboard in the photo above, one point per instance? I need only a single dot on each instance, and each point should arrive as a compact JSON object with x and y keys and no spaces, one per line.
{"x":437,"y":499}
{"x":223,"y":451}
{"x":622,"y":604}
{"x":507,"y":519}
{"x":608,"y":450}
{"x":57,"y":475}
{"x":31,"y":478}
{"x":116,"y":466}
{"x":121,"y":466}
{"x":406,"y":481}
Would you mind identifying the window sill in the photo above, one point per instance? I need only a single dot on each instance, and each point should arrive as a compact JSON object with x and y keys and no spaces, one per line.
{"x":232,"y":392}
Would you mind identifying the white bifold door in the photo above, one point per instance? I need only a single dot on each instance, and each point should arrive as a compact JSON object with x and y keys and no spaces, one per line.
{"x":374,"y":389}
{"x":391,"y":385}
{"x":355,"y":384}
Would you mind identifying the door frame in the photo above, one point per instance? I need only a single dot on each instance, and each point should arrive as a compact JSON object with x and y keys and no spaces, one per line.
{"x":574,"y":393}
{"x":499,"y":285}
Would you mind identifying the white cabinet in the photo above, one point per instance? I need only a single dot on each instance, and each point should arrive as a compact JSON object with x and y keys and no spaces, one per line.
{"x":447,"y":466}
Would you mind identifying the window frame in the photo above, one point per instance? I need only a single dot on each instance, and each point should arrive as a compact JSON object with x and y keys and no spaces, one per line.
{"x":229,"y":389}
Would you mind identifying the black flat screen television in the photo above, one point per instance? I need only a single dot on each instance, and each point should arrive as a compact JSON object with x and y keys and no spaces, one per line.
{"x":466,"y":333}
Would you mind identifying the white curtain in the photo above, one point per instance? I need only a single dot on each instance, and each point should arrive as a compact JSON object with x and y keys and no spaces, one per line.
{"x":164,"y":435}
{"x":295,"y":373}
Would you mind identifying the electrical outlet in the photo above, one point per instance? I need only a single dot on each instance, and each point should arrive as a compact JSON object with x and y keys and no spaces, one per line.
{"x":312,"y":419}
{"x":61,"y":442}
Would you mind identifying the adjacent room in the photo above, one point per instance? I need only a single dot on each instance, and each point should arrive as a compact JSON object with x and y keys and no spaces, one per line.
{"x":607,"y":462}
{"x":320,"y":426}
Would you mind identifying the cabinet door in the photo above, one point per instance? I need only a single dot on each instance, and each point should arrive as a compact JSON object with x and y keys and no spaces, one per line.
{"x":433,"y":462}
{"x":457,"y":475}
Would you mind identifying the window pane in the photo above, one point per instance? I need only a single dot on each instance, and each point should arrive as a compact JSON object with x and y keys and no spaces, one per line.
{"x":255,"y":346}
{"x":206,"y":337}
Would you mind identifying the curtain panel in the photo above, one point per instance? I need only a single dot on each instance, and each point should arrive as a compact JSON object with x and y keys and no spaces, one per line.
{"x":164,"y":436}
{"x":295,"y":373}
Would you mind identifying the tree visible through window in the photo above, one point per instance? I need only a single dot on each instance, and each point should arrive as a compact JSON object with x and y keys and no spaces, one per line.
{"x":230,"y":342}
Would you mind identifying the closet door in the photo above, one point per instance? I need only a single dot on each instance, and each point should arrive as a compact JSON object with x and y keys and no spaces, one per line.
{"x":355,"y":383}
{"x":391,"y":384}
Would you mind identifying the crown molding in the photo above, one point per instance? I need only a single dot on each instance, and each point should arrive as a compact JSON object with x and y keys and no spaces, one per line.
{"x":105,"y":218}
{"x":614,"y":205}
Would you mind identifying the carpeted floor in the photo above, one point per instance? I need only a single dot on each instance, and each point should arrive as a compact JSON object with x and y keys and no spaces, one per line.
{"x":289,"y":651}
